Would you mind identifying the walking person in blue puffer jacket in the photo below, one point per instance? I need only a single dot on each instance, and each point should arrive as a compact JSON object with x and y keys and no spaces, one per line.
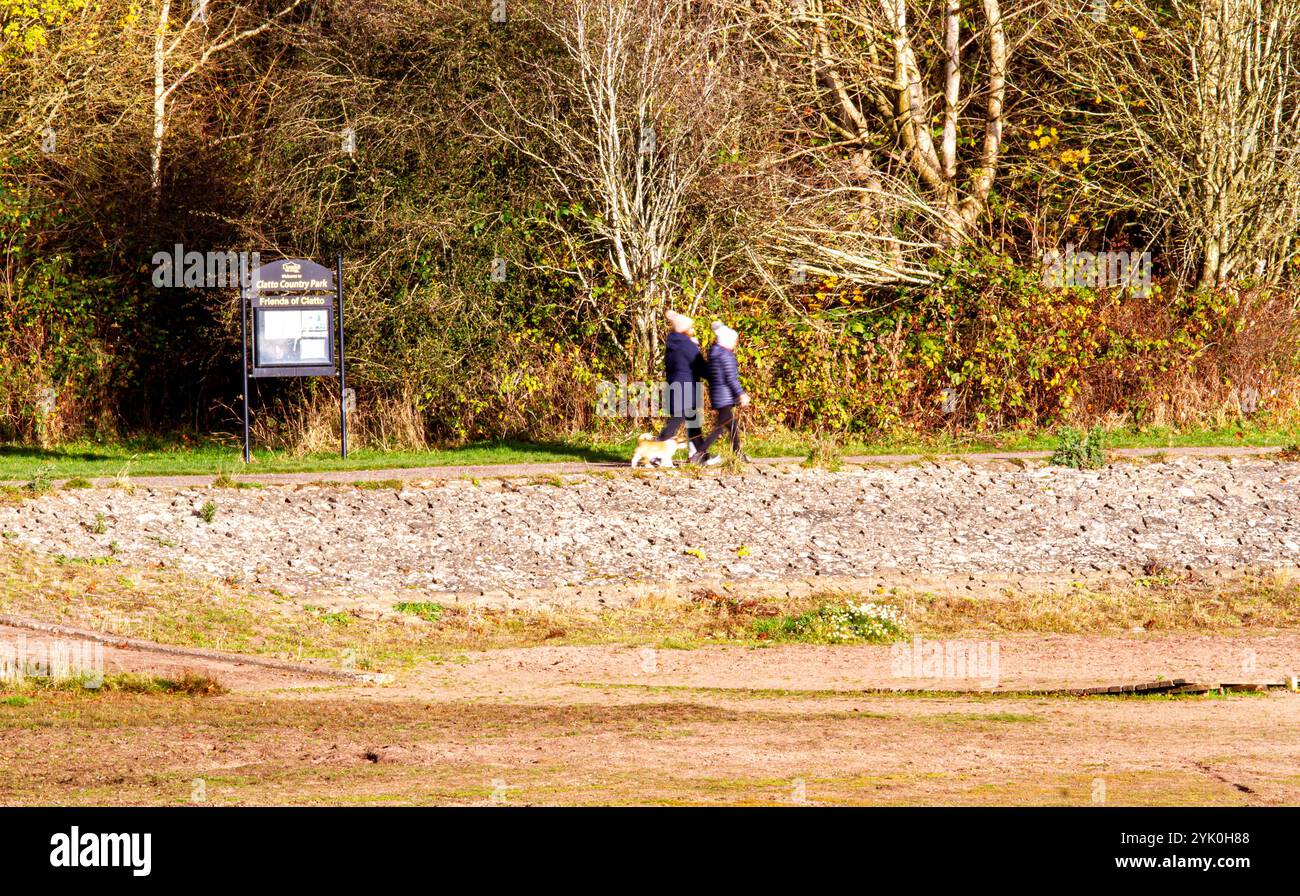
{"x":726,"y":394}
{"x":684,"y":372}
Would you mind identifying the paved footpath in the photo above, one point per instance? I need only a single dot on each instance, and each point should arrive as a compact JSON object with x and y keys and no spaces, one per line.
{"x":442,"y":537}
{"x":575,"y":467}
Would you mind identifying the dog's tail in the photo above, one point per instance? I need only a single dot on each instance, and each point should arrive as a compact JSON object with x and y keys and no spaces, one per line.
{"x":647,"y":437}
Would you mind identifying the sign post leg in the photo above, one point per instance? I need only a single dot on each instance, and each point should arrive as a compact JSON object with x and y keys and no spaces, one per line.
{"x":343,"y":377}
{"x":243,"y":342}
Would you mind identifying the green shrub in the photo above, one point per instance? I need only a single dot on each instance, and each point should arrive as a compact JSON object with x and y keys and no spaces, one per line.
{"x":1291,"y":450}
{"x":208,"y":512}
{"x":837,"y":623}
{"x":430,"y":612}
{"x":1079,"y":451}
{"x":40,"y":481}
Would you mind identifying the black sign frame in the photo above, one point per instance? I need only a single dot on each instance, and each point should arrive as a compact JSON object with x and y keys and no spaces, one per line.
{"x":293,"y":284}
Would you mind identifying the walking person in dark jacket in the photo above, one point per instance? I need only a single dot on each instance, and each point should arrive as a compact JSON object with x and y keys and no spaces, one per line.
{"x":726,"y":394}
{"x":684,"y":372}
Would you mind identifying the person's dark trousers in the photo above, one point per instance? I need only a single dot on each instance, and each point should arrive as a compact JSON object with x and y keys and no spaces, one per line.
{"x":694,"y":431}
{"x":682,"y":401}
{"x":728,"y":422}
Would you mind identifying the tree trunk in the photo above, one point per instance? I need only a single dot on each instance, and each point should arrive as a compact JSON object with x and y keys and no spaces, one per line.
{"x":159,"y":107}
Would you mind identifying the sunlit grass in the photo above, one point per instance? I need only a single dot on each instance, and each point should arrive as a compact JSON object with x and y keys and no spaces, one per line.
{"x":223,"y":459}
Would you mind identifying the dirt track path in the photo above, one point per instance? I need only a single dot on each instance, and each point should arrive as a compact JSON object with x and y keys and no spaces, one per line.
{"x":1020,"y":663}
{"x":25,"y":646}
{"x":1010,"y":663}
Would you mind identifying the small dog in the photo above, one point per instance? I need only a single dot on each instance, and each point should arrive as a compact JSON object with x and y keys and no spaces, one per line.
{"x":649,"y":448}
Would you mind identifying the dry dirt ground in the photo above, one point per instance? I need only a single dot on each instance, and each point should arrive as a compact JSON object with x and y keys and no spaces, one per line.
{"x":476,"y":719}
{"x":724,"y":725}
